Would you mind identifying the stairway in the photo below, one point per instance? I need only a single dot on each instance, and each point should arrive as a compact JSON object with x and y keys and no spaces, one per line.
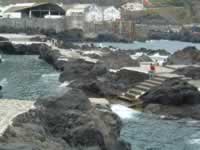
{"x":134,"y":93}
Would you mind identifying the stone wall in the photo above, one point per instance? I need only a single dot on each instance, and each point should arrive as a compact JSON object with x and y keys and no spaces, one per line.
{"x":142,"y":30}
{"x":34,"y":23}
{"x":126,"y":29}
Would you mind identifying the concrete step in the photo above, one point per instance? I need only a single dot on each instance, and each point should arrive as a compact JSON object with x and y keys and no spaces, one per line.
{"x":125,"y":98}
{"x":159,"y":79}
{"x":147,"y":84}
{"x":154,"y":82}
{"x":141,"y":87}
{"x":186,"y":78}
{"x":131,"y":95}
{"x":136,"y":91}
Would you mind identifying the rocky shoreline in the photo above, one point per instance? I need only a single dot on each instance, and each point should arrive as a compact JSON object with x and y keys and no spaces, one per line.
{"x":71,"y":121}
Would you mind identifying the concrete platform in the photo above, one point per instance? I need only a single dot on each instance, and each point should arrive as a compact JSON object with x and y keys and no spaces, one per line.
{"x":99,"y":101}
{"x":9,"y":109}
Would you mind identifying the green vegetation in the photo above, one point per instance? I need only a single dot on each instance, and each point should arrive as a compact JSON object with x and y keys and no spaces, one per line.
{"x":168,"y":2}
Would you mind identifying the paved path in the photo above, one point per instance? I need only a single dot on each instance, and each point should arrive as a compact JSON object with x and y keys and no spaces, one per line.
{"x":9,"y":109}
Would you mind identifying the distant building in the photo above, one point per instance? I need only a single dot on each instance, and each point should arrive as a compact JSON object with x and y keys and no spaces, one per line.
{"x":76,"y":9}
{"x":94,"y":13}
{"x":33,"y":10}
{"x":133,"y":6}
{"x":111,"y":14}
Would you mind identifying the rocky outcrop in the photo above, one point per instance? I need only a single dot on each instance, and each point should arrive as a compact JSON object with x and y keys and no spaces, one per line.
{"x":21,"y":49}
{"x":173,"y":99}
{"x":52,"y":57}
{"x":147,"y":52}
{"x":68,"y":122}
{"x":187,"y":35}
{"x":174,"y":92}
{"x":76,"y":69}
{"x":174,"y":112}
{"x":187,"y":56}
{"x":192,"y":72}
{"x":117,"y":60}
{"x":106,"y":84}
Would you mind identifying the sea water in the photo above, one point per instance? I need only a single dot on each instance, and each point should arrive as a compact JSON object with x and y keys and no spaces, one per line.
{"x":150,"y":132}
{"x":170,"y":46}
{"x":28,"y":77}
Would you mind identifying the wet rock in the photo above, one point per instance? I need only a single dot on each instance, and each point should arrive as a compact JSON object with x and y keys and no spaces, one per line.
{"x":117,"y":60}
{"x":109,"y":84}
{"x":51,"y":57}
{"x":174,"y":112}
{"x":21,"y":49}
{"x":192,"y":72}
{"x":187,"y":56}
{"x":76,"y":69}
{"x":147,"y":52}
{"x":173,"y":92}
{"x":68,"y":122}
{"x":7,"y":48}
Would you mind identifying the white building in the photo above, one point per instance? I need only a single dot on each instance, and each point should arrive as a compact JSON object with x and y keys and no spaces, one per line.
{"x":133,"y":6}
{"x":94,"y":13}
{"x":111,"y":14}
{"x":76,"y":9}
{"x":6,"y":13}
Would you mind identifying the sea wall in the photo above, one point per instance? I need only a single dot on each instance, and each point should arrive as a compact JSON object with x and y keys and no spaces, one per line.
{"x":57,"y":25}
{"x":124,"y":29}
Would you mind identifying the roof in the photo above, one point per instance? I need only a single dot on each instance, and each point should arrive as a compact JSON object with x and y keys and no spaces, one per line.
{"x":17,"y":8}
{"x":76,"y":6}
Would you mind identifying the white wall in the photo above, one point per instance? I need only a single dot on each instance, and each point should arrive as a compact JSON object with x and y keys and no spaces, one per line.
{"x":12,"y":15}
{"x":94,"y":14}
{"x":111,"y":14}
{"x":133,"y":6}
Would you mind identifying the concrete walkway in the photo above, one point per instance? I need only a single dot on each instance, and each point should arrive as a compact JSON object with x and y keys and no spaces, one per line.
{"x":9,"y":109}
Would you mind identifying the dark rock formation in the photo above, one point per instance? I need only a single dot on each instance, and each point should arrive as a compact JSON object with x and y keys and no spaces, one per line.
{"x":106,"y":84}
{"x":187,"y":35}
{"x":192,"y":72}
{"x":173,"y":92}
{"x":76,"y":69}
{"x":51,"y":57}
{"x":147,"y":52}
{"x":6,"y":46}
{"x":187,"y":56}
{"x":21,"y":49}
{"x":174,"y":112}
{"x":65,"y":123}
{"x":117,"y":60}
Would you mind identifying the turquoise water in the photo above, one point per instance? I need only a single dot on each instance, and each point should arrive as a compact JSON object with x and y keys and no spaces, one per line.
{"x":27,"y":78}
{"x":170,"y":46}
{"x":149,"y":132}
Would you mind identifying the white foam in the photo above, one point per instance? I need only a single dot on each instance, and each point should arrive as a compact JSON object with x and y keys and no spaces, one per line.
{"x":65,"y":84}
{"x":194,"y":141}
{"x":3,"y":82}
{"x":50,"y":75}
{"x":124,"y":112}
